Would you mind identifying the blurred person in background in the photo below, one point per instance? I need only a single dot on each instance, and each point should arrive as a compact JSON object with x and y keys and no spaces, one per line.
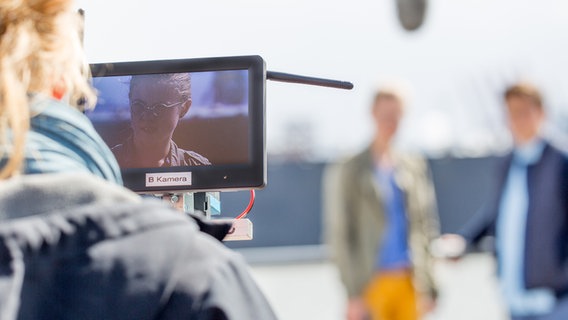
{"x":380,"y":218}
{"x":74,"y":243}
{"x":527,"y":214}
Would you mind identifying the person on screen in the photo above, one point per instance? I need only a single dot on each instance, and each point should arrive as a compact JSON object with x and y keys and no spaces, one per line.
{"x":157,"y":104}
{"x":74,"y":243}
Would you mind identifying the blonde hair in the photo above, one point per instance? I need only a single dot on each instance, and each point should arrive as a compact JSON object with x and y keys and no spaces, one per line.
{"x":524,"y":90}
{"x":40,"y":50}
{"x":390,"y":93}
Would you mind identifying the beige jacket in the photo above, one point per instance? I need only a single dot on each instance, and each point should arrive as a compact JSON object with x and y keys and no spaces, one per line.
{"x":355,"y":219}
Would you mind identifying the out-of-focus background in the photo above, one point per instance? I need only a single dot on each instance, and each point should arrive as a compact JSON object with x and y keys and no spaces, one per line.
{"x":454,"y":69}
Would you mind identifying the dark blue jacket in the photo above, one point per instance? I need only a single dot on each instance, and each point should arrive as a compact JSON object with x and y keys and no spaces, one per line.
{"x":76,"y":247}
{"x":546,"y":245}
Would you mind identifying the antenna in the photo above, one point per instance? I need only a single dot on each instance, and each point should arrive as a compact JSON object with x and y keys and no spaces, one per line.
{"x":293,"y":78}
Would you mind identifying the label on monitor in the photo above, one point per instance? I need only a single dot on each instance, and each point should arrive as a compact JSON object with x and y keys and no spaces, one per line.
{"x":168,"y":179}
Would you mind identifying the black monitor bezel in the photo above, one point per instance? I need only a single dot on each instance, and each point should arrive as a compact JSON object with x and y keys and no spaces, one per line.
{"x":251,"y":175}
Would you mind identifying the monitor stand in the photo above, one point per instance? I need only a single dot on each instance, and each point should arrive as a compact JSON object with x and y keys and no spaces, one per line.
{"x":208,"y":204}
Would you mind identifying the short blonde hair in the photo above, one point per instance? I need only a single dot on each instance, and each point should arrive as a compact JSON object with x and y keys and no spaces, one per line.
{"x":40,"y":47}
{"x":524,"y":90}
{"x":390,"y":93}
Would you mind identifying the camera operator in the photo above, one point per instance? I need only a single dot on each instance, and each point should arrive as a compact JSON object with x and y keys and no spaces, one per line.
{"x":74,"y":243}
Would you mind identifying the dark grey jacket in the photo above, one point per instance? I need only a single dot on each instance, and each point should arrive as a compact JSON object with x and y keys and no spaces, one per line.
{"x":74,"y":246}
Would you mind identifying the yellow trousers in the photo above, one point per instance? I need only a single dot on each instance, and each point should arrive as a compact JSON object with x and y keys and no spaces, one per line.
{"x":391,"y":296}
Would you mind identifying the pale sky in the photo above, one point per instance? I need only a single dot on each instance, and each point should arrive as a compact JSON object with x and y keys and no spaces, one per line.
{"x":455,"y":66}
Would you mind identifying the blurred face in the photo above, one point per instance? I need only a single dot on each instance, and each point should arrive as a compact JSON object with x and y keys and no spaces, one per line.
{"x":155,"y":110}
{"x":525,"y":118}
{"x":387,"y":113}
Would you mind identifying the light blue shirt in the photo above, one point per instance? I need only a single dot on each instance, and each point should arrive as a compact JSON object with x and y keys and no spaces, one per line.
{"x":511,"y":231}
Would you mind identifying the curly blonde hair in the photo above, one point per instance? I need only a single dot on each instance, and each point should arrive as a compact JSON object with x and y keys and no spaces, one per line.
{"x":40,"y":52}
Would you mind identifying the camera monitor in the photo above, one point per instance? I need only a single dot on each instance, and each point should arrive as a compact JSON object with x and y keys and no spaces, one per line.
{"x":184,"y":125}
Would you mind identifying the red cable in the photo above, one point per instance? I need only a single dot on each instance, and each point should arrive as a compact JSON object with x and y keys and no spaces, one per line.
{"x":249,"y":207}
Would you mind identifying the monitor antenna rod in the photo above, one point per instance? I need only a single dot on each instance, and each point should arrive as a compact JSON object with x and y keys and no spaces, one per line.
{"x":293,"y":78}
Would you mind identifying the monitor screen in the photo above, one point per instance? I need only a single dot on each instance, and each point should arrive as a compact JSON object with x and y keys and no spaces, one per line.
{"x":184,"y":125}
